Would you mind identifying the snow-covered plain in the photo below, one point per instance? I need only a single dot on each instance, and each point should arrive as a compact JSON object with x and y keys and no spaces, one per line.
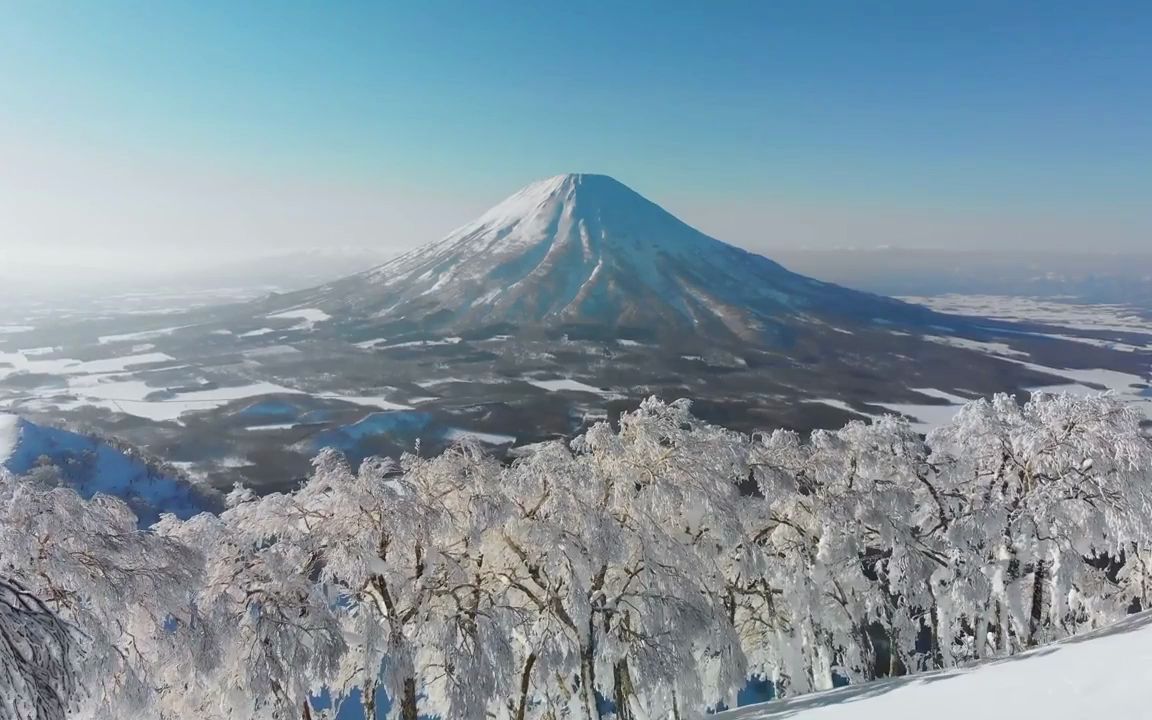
{"x":1105,"y":674}
{"x":922,"y":416}
{"x":990,"y":348}
{"x":487,"y":438}
{"x":142,"y":335}
{"x":308,"y":317}
{"x":28,"y":360}
{"x":128,"y":396}
{"x":567,"y":384}
{"x":925,"y":416}
{"x":1071,"y":315}
{"x":108,"y":383}
{"x":374,"y":401}
{"x":381,"y":344}
{"x":1106,"y":318}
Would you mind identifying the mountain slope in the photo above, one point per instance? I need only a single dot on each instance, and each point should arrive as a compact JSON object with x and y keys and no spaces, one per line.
{"x":586,"y":251}
{"x":1103,"y":674}
{"x":92,"y":466}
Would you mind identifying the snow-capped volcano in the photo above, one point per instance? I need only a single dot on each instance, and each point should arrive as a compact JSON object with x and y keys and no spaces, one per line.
{"x":586,"y":250}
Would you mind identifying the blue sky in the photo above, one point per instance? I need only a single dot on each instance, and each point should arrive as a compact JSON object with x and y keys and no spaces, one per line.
{"x":254,"y":125}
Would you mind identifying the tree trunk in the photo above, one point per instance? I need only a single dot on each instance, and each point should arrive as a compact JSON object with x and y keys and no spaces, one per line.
{"x":408,"y":701}
{"x":622,"y":691}
{"x":307,"y":711}
{"x":936,"y":654}
{"x":981,"y":639}
{"x":893,"y":656}
{"x":588,"y":682}
{"x":1001,"y":629}
{"x":525,"y":684}
{"x":937,"y":650}
{"x":369,"y":700}
{"x":1037,"y":614}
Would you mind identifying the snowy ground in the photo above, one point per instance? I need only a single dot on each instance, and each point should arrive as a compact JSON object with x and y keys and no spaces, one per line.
{"x":1106,"y":674}
{"x":1071,"y":315}
{"x":168,"y":383}
{"x":1075,"y":317}
{"x":124,"y":384}
{"x":308,"y":317}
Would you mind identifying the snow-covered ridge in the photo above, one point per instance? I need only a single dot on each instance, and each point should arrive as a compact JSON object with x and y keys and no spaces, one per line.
{"x":91,"y":466}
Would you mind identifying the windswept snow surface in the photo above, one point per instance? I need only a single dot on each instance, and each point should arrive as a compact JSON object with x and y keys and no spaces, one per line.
{"x":1104,"y":674}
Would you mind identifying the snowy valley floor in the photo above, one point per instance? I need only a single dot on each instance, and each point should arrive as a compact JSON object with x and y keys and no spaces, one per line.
{"x":1105,"y":674}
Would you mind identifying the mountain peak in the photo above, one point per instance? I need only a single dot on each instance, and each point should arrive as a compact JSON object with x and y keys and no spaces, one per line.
{"x":580,"y":218}
{"x":578,"y":179}
{"x":585,"y":249}
{"x":556,"y":193}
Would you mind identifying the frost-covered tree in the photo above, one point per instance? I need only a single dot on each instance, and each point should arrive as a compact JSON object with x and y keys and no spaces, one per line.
{"x":266,"y":636}
{"x":1014,"y":524}
{"x":399,"y":551}
{"x":614,"y":549}
{"x":39,"y":657}
{"x":1053,"y":493}
{"x":842,"y":519}
{"x":622,"y":573}
{"x":85,"y":600}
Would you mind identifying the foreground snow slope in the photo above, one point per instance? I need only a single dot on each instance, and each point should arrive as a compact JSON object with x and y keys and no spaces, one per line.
{"x":1104,"y":674}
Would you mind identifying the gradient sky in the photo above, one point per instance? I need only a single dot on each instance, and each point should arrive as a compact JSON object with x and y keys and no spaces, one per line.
{"x":179,"y":129}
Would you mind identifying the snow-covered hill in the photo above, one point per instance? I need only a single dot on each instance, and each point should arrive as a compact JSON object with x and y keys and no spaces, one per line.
{"x":585,"y":250}
{"x":92,"y":465}
{"x":1104,"y":674}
